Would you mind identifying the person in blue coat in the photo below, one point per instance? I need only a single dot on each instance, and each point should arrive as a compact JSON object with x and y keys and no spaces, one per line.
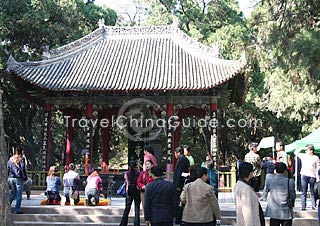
{"x":53,"y":184}
{"x":159,"y":200}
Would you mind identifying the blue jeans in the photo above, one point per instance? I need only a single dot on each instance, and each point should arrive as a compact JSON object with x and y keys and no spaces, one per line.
{"x":16,"y":189}
{"x":305,"y":180}
{"x":129,"y":200}
{"x":89,"y":193}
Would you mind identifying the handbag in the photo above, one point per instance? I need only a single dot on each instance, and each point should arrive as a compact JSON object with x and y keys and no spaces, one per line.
{"x":73,"y":193}
{"x":317,"y":190}
{"x":122,"y":190}
{"x":290,"y":201}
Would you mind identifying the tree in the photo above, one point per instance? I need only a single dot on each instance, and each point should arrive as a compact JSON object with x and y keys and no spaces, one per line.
{"x":27,"y":29}
{"x":286,"y":39}
{"x":5,"y":207}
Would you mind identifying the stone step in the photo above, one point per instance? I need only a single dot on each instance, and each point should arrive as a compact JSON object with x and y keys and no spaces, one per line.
{"x":106,"y":216}
{"x":118,"y":211}
{"x":225,"y":222}
{"x":37,"y":215}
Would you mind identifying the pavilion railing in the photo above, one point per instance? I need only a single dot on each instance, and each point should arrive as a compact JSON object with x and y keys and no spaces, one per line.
{"x":39,"y":179}
{"x":227,"y":180}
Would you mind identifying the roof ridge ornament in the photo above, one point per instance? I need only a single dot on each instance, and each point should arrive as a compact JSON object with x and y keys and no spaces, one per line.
{"x":46,"y":52}
{"x":243,"y":58}
{"x":216,"y":50}
{"x":175,"y":22}
{"x":101,"y":23}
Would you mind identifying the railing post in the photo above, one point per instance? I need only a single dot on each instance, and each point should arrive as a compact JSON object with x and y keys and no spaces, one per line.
{"x":233,"y":172}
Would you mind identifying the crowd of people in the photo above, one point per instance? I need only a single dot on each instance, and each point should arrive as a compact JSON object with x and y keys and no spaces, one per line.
{"x":279,"y":189}
{"x":192,"y":197}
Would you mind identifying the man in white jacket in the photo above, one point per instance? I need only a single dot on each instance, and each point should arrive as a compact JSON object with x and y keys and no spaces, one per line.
{"x":248,"y":209}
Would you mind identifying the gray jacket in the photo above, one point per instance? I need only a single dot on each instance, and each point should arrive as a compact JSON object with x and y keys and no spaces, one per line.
{"x":277,"y":207}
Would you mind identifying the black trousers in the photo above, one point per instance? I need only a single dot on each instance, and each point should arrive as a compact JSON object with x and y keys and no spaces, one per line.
{"x":162,"y":224}
{"x":277,"y":222}
{"x":199,"y":224}
{"x":256,"y":183}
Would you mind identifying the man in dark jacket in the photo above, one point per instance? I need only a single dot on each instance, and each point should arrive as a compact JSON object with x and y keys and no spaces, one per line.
{"x":17,"y":174}
{"x":182,"y":166}
{"x":159,"y":200}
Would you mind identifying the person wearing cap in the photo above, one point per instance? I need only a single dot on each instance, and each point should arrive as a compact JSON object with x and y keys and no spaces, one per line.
{"x":268,"y":164}
{"x":200,"y":201}
{"x":253,"y":158}
{"x":71,"y":180}
{"x":280,"y":187}
{"x":159,"y":200}
{"x":248,"y":208}
{"x":148,"y":155}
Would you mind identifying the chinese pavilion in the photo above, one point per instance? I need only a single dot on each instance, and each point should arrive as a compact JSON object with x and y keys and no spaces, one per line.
{"x":105,"y":69}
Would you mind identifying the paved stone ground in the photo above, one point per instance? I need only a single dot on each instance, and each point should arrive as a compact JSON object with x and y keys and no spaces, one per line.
{"x":226,"y":201}
{"x":44,"y":215}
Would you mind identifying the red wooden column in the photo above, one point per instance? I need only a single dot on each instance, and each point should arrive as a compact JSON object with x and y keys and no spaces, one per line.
{"x":89,"y":140}
{"x":106,"y":125}
{"x":69,"y":138}
{"x":46,"y":142}
{"x":214,"y":152}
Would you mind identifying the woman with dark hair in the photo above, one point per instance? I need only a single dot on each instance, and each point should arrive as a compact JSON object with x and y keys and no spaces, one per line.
{"x":144,"y":179}
{"x":248,"y":208}
{"x":133,"y":194}
{"x":309,"y":170}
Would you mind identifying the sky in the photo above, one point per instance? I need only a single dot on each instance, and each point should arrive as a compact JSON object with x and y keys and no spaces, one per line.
{"x":123,"y":6}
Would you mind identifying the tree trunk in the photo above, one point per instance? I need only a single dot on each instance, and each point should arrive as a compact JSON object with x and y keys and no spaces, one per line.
{"x":5,"y":208}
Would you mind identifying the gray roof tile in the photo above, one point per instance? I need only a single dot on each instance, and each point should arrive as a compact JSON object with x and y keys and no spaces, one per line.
{"x":130,"y":59}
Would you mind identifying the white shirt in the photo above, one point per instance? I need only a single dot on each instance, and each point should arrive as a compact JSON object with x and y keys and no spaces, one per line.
{"x":309,"y":165}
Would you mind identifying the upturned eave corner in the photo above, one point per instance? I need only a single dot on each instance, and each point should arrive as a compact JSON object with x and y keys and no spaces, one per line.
{"x":11,"y":63}
{"x":243,"y":59}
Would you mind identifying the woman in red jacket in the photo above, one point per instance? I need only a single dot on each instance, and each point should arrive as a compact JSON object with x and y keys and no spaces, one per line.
{"x":144,"y":179}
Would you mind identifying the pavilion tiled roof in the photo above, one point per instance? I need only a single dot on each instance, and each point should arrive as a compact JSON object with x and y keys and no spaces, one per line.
{"x":129,"y":59}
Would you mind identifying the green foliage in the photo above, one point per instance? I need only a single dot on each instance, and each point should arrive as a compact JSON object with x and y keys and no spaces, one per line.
{"x":26,"y":27}
{"x":196,"y":138}
{"x":196,"y":17}
{"x":282,"y":40}
{"x":54,"y":23}
{"x":287,"y":48}
{"x":232,"y":39}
